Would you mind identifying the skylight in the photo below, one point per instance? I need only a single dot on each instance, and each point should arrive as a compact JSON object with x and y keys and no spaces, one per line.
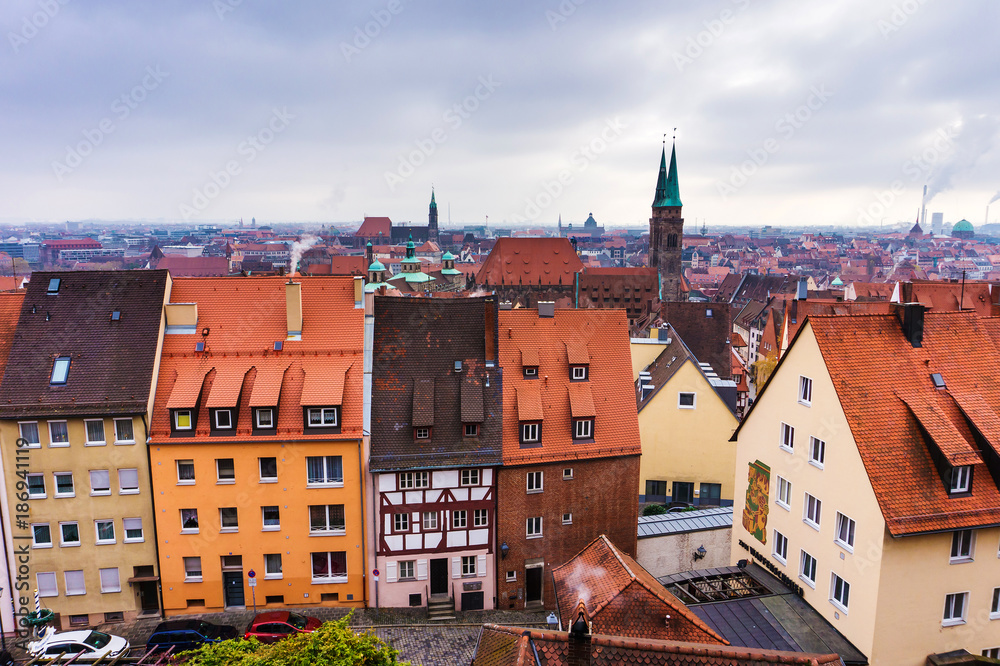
{"x":199,"y":346}
{"x":54,"y":285}
{"x":60,"y":370}
{"x":938,"y":380}
{"x":116,"y":315}
{"x":278,"y":345}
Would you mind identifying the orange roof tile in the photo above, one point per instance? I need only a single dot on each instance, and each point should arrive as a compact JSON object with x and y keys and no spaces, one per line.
{"x":577,"y":353}
{"x":226,"y":387}
{"x":267,"y":383}
{"x":530,"y":261}
{"x":324,"y":382}
{"x":581,"y":401}
{"x":187,"y":387}
{"x":605,"y":333}
{"x":529,"y":357}
{"x":945,"y":436}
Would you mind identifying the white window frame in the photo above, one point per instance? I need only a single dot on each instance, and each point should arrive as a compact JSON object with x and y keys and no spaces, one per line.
{"x":963,"y":546}
{"x":786,"y":441}
{"x":471,"y":429}
{"x":469,"y":477}
{"x":322,"y":411}
{"x":845,"y":532}
{"x":77,"y":577}
{"x":257,"y":412}
{"x":530,"y":370}
{"x":63,"y":543}
{"x":414,"y":480}
{"x":190,"y":530}
{"x":86,"y":431}
{"x":459,"y":519}
{"x":567,"y":519}
{"x":511,"y":576}
{"x":218,"y":423}
{"x":192,"y":574}
{"x":955,"y":601}
{"x":327,"y":473}
{"x":401,"y":522}
{"x":128,"y":525}
{"x":332,"y":578}
{"x":817,"y":452}
{"x":583,"y":429}
{"x":264,"y":526}
{"x":995,"y":607}
{"x":480,"y":517}
{"x":219,"y":480}
{"x":260,"y":469}
{"x":124,"y":442}
{"x":97,"y":532}
{"x":44,"y":493}
{"x":534,"y":482}
{"x":329,"y":529}
{"x":122,"y":490}
{"x":961,"y":478}
{"x":805,"y":390}
{"x":37,"y":435}
{"x":780,"y":549}
{"x":842,"y":600}
{"x":533,"y":527}
{"x":812,"y":512}
{"x":804,"y":559}
{"x":60,"y":370}
{"x":116,"y":586}
{"x":270,"y":574}
{"x":422,"y":432}
{"x":578,"y":372}
{"x":468,"y":565}
{"x":228,"y":529}
{"x":429,"y":520}
{"x":407,"y":570}
{"x":55,"y":481}
{"x":567,"y":473}
{"x":54,"y":444}
{"x":185,"y":482}
{"x":680,"y":400}
{"x":992,"y":653}
{"x":102,"y":492}
{"x":530,"y":433}
{"x":41,"y":544}
{"x":177,"y":419}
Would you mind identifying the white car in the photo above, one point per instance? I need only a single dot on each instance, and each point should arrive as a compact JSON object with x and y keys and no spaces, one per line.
{"x":90,"y":645}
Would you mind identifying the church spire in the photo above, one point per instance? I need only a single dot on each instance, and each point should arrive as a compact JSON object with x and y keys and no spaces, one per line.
{"x":433,"y":203}
{"x":667,"y":190}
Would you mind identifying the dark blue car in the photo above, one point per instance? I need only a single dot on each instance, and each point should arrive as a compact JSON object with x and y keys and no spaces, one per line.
{"x":188,"y":634}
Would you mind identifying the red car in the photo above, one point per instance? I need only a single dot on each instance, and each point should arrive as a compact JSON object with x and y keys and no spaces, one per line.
{"x":273,"y":626}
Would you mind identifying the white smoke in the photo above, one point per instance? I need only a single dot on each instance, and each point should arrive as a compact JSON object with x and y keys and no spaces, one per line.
{"x":971,"y":139}
{"x":298,"y":248}
{"x":996,"y":197}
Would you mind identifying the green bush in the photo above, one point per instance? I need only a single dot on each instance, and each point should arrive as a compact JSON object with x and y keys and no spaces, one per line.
{"x":654,"y":510}
{"x":332,"y":644}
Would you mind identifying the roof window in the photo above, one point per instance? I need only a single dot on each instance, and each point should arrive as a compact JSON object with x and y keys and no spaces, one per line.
{"x":938,"y":380}
{"x":278,"y":345}
{"x":116,"y":315}
{"x":60,"y":370}
{"x":54,"y":285}
{"x":199,"y":346}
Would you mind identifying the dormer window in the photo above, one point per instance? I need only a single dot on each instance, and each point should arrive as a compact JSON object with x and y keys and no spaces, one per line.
{"x":183,"y":419}
{"x":583,"y":429}
{"x":578,"y":373}
{"x":322,"y":417}
{"x":531,"y":433}
{"x":531,"y":372}
{"x":421,"y":433}
{"x":961,"y":479}
{"x":223,"y":419}
{"x":472,"y":430}
{"x":264,"y":417}
{"x":60,"y":370}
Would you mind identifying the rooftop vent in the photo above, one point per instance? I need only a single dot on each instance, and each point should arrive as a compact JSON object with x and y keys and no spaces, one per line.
{"x":546,"y":309}
{"x":938,"y":380}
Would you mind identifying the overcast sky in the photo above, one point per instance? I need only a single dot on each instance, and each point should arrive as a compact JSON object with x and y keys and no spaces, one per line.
{"x":215,"y":110}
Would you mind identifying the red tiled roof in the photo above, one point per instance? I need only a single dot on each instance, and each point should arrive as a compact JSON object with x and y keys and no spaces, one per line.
{"x":581,"y":401}
{"x":182,"y":266}
{"x":373,"y":226}
{"x":873,"y":367}
{"x":577,"y":353}
{"x":605,"y":333}
{"x":226,"y":387}
{"x":530,"y":261}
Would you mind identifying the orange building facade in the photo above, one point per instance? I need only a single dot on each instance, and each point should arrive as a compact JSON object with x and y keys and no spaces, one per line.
{"x":256,"y":445}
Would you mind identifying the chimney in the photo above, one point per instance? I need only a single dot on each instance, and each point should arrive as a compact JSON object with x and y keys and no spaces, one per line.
{"x":913,"y":323}
{"x":579,"y":650}
{"x":359,"y":292}
{"x":490,"y":315}
{"x":293,"y":309}
{"x":802,"y":290}
{"x":546,"y":309}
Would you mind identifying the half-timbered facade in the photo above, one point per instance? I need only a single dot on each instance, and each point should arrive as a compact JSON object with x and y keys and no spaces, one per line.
{"x":436,"y":441}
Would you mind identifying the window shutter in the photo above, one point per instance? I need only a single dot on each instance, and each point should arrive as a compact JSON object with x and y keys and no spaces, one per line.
{"x":481,"y":566}
{"x":390,"y":572}
{"x":456,"y":567}
{"x":421,"y":569}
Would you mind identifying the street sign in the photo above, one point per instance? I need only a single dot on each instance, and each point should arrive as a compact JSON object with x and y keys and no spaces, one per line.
{"x":375,"y":573}
{"x":253,"y":582}
{"x":251,"y":574}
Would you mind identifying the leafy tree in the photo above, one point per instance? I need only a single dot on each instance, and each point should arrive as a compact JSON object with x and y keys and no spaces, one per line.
{"x":763,"y":368}
{"x":332,"y":644}
{"x":654,"y":510}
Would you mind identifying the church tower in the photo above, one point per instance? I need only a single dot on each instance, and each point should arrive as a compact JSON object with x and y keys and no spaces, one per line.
{"x":666,"y":229}
{"x":432,"y":220}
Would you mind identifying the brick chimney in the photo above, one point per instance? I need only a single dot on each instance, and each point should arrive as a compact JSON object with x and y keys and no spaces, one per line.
{"x":579,"y":649}
{"x":293,"y":309}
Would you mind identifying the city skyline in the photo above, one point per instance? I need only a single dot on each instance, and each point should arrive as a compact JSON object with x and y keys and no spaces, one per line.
{"x":786,"y":115}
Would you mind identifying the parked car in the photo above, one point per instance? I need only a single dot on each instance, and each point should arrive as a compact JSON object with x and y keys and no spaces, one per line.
{"x":189,"y":634}
{"x":90,"y":645}
{"x":272,"y":626}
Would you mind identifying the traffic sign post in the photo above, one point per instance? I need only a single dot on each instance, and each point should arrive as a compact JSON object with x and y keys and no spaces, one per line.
{"x":252,"y":576}
{"x":375,"y":574}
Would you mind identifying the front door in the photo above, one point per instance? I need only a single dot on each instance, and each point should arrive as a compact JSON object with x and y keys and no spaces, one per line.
{"x":533,"y":585}
{"x":683,"y":492}
{"x":233,"y":582}
{"x":148,"y":601}
{"x":439,"y":576}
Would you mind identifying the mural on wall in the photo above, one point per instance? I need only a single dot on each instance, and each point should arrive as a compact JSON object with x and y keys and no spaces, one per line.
{"x":755,"y":508}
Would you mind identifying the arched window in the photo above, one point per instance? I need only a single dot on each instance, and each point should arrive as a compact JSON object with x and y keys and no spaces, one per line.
{"x":672,"y":240}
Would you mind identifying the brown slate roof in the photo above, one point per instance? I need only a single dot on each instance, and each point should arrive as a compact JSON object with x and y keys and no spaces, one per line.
{"x":414,"y":382}
{"x":111,"y":371}
{"x":514,"y":646}
{"x":10,"y":312}
{"x":623,"y":599}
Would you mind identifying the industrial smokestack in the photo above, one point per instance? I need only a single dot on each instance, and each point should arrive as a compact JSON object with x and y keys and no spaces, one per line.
{"x":923,"y":209}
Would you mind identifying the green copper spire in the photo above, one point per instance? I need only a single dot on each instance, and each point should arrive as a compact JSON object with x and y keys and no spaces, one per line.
{"x":433,"y":203}
{"x":667,"y":191}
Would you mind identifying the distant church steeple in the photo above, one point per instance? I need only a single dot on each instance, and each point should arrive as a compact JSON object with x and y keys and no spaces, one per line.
{"x":432,"y":219}
{"x":666,"y":229}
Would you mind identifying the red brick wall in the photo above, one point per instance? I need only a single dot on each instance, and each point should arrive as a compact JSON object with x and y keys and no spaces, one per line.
{"x":601,"y":496}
